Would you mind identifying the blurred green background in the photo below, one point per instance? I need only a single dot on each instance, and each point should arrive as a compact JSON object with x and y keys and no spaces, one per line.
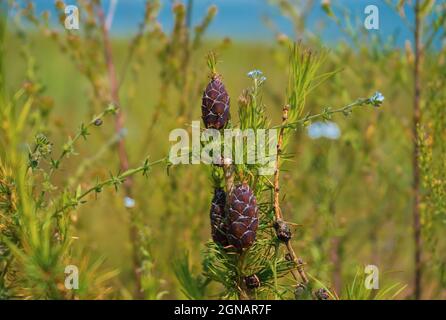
{"x":351,"y":197}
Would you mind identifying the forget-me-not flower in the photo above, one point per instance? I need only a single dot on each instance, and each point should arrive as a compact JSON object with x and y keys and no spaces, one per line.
{"x":376,"y":99}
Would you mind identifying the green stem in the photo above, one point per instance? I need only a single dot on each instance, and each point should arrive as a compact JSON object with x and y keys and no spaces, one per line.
{"x":243,"y":294}
{"x":113,"y":180}
{"x":327,"y":113}
{"x":81,"y":133}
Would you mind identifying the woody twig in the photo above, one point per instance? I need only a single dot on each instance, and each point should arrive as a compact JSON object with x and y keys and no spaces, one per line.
{"x":282,"y":229}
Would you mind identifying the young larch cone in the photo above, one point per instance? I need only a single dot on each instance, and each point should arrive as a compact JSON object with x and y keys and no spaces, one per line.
{"x":218,"y":218}
{"x":215,"y":105}
{"x":242,"y":217}
{"x":252,"y":281}
{"x":283,"y":231}
{"x":322,"y":294}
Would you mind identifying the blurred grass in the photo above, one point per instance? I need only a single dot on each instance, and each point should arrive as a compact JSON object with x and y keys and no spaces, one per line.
{"x":375,"y":212}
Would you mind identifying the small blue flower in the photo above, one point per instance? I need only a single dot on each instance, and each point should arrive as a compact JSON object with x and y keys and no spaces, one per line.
{"x":262,"y":80}
{"x":129,"y":202}
{"x":255,"y":74}
{"x":377,"y":99}
{"x":328,"y":129}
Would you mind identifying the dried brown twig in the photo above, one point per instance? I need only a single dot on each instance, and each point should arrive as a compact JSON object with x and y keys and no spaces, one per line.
{"x":122,"y":153}
{"x":299,"y":271}
{"x":416,"y":152}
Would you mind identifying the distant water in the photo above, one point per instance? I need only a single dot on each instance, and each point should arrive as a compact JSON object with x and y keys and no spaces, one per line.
{"x":244,"y":19}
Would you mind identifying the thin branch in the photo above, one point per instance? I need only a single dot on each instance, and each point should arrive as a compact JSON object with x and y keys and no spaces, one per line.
{"x":111,"y":14}
{"x":122,"y":153}
{"x":416,"y":153}
{"x":112,"y":181}
{"x":83,"y":132}
{"x":277,"y":212}
{"x":136,"y":42}
{"x":327,"y":113}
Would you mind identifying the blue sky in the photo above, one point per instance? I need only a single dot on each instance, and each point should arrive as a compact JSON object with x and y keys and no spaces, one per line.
{"x":242,"y":19}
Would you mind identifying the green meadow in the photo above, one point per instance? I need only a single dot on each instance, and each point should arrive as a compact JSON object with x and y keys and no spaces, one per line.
{"x":349,"y":200}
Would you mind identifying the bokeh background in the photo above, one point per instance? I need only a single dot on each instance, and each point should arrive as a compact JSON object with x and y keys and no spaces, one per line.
{"x":350,"y":196}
